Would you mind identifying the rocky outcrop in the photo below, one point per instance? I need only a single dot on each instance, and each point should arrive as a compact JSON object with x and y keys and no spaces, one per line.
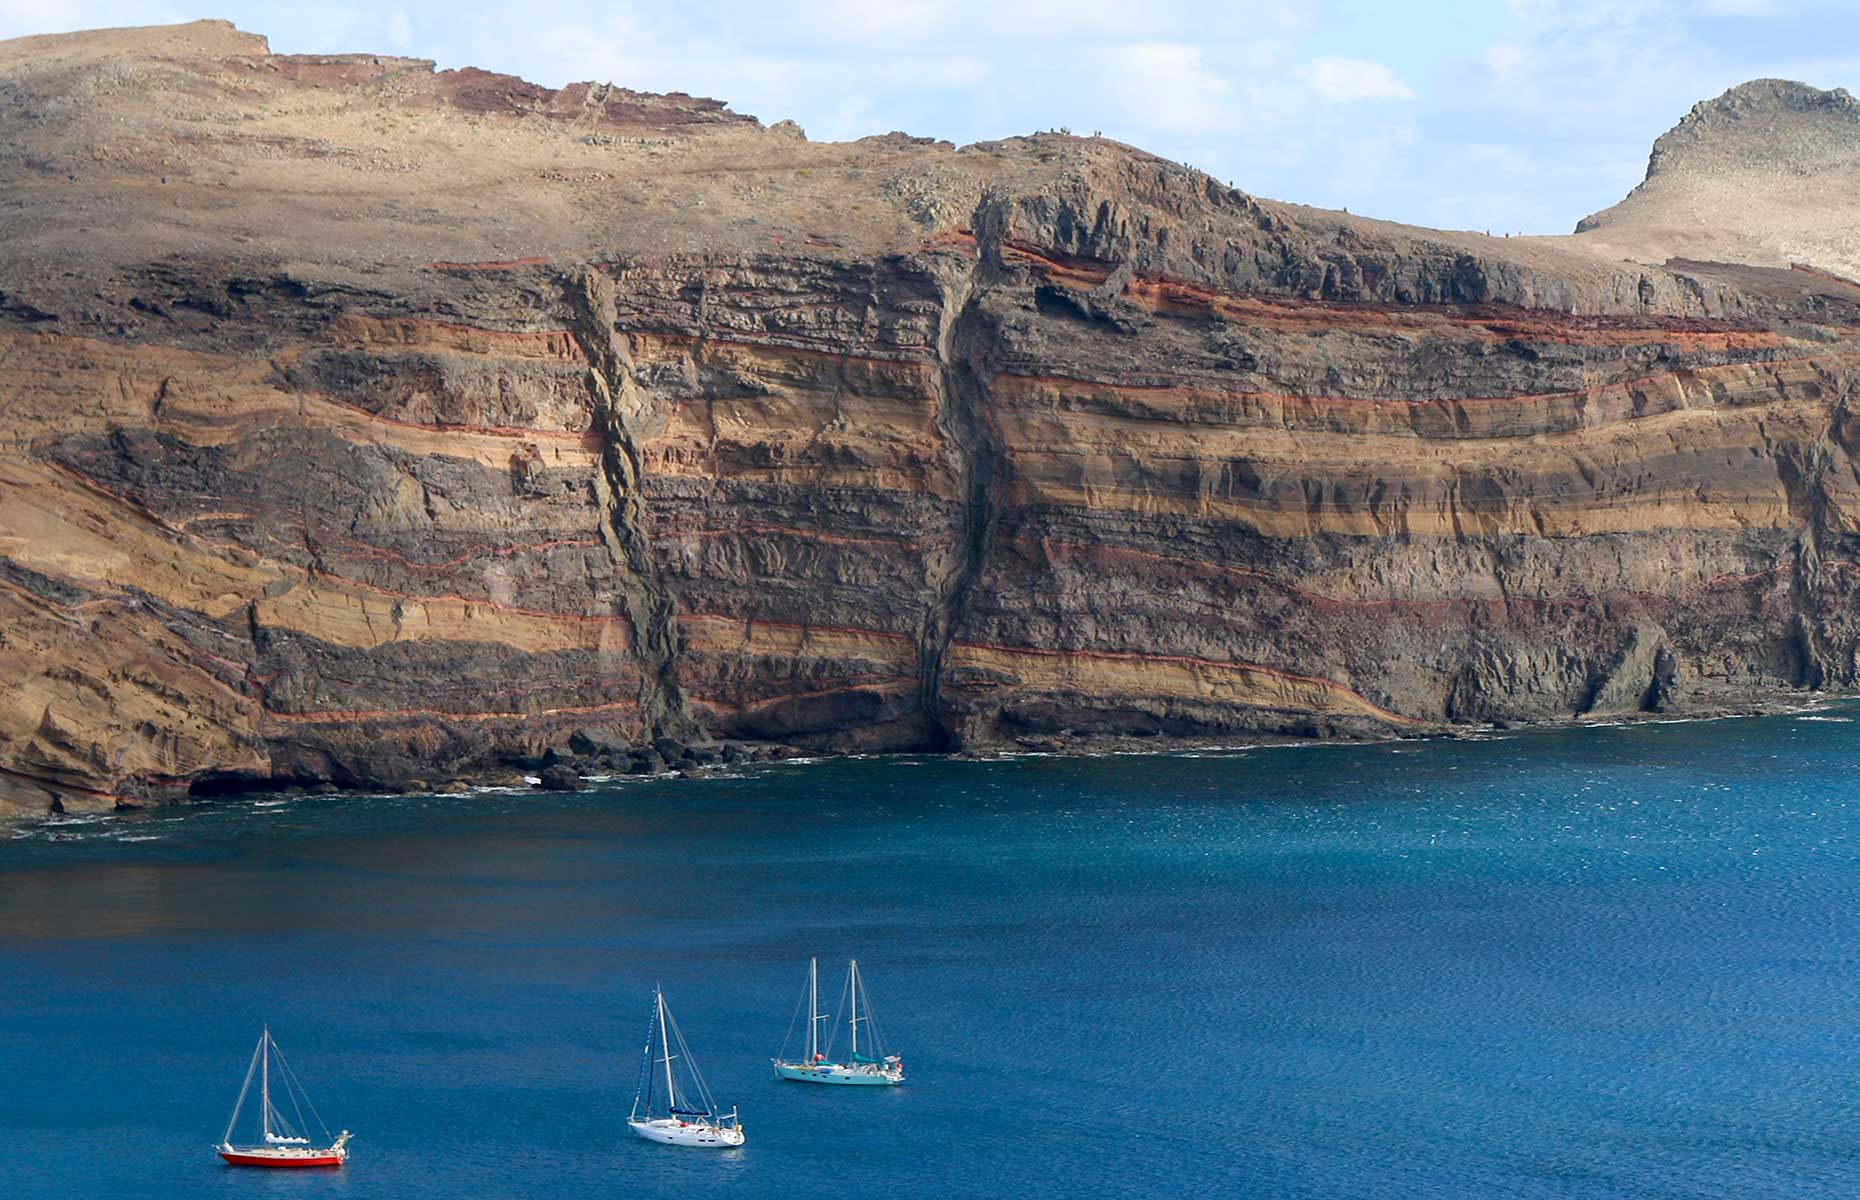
{"x":1768,"y":174}
{"x":378,"y":426}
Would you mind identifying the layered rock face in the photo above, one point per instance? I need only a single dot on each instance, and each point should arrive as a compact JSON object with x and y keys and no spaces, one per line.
{"x":374,"y":425}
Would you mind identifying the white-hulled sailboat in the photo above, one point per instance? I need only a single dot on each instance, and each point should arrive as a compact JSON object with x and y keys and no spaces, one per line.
{"x":684,"y":1122}
{"x":281,"y":1143}
{"x":870,"y":1066}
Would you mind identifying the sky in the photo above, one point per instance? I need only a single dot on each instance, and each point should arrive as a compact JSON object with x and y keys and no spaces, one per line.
{"x":1506,"y":115}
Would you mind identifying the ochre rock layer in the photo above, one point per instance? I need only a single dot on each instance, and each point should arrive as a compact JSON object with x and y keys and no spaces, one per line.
{"x":368,"y":424}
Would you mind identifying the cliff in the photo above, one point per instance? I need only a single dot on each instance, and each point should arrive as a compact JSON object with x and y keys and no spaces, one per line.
{"x":379,"y":425}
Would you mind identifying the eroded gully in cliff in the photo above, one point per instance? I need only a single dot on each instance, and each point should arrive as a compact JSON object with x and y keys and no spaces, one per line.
{"x":965,"y":419}
{"x":644,"y":597}
{"x":1820,"y":660}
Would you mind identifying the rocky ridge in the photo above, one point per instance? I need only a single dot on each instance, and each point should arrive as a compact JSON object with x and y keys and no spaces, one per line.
{"x":371,"y":425}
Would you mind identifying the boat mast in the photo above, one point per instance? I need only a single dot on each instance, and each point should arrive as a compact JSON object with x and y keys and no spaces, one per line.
{"x":264,"y":1086}
{"x":852,"y":979}
{"x":251,"y":1068}
{"x":813,"y":1010}
{"x":643,"y":1091}
{"x":671,"y":1093}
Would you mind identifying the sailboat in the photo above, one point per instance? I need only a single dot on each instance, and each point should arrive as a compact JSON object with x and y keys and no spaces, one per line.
{"x":869,"y":1066}
{"x":691,"y":1117}
{"x":281,"y":1142}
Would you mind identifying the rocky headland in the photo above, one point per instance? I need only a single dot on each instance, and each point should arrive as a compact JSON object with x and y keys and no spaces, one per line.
{"x":367,"y":425}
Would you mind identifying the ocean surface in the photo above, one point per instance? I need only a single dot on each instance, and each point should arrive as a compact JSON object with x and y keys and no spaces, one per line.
{"x":1609,"y":962}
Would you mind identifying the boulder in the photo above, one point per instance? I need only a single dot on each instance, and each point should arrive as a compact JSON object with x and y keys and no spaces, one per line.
{"x":593,"y":744}
{"x":559,"y":778}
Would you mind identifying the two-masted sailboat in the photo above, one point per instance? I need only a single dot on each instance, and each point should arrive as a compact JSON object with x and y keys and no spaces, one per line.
{"x":691,"y":1115}
{"x":867,"y":1064}
{"x":282,"y":1140}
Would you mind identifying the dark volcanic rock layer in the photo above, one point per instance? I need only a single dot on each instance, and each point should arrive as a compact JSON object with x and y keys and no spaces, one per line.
{"x":378,"y":426}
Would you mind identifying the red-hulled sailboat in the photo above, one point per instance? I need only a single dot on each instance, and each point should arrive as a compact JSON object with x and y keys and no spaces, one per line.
{"x":281,"y":1144}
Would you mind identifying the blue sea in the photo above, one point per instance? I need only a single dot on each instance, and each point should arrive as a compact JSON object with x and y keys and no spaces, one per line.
{"x":1607,"y":962}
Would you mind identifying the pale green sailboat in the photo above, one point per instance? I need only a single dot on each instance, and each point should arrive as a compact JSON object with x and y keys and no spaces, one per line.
{"x":867,"y":1064}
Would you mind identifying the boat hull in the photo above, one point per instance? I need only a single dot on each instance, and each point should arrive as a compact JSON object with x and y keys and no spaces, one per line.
{"x":283,"y":1159}
{"x":672,"y":1132}
{"x":836,"y":1074}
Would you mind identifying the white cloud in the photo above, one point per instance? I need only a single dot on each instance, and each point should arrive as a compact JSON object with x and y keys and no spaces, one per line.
{"x":616,"y":50}
{"x":887,"y":21}
{"x":1503,"y":59}
{"x":959,"y":71}
{"x":21,"y":18}
{"x":1362,"y":161}
{"x":1167,"y":86}
{"x":1349,"y":80}
{"x":852,"y":118}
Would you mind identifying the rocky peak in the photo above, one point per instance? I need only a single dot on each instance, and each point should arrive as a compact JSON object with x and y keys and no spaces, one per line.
{"x":1774,"y":124}
{"x":1764,"y":175}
